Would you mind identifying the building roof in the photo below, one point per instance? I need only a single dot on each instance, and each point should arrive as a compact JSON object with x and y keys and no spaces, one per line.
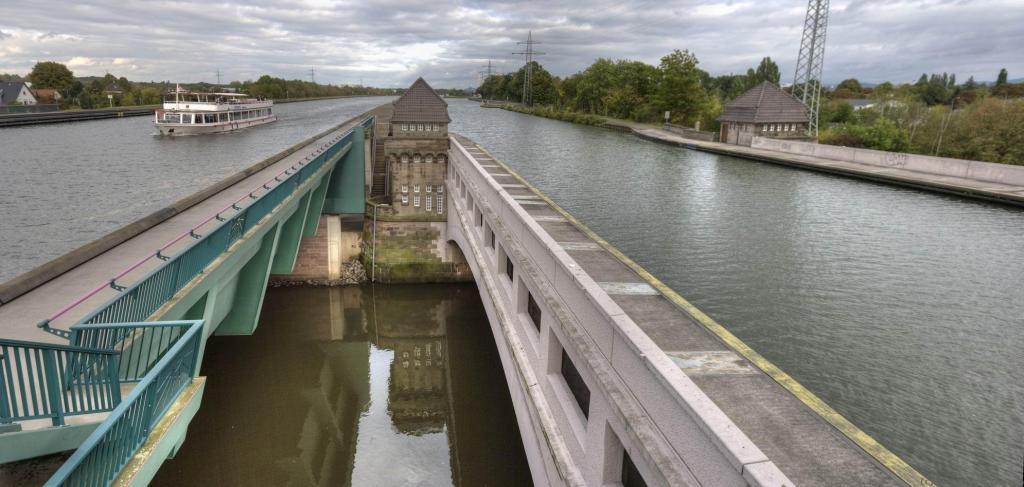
{"x":9,"y":91}
{"x":46,"y":93}
{"x":764,"y":103}
{"x":420,"y":104}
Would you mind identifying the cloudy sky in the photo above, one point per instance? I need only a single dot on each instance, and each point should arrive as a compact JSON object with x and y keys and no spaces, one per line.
{"x":390,"y":42}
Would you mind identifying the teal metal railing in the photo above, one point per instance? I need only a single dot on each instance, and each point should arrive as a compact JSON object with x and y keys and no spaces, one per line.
{"x":141,"y":299}
{"x":40,"y":380}
{"x":114,"y":442}
{"x":138,"y":345}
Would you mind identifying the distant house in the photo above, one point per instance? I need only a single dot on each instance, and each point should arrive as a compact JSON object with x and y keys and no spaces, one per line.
{"x":47,"y":95}
{"x":860,"y":103}
{"x":15,"y":93}
{"x":763,"y":111}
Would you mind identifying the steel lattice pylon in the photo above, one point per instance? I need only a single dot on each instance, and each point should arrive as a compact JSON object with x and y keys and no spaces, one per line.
{"x":528,"y":54}
{"x":809,"y":63}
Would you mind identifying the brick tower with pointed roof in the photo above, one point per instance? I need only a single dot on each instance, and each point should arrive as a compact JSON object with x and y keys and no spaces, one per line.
{"x":416,"y":150}
{"x":763,"y":111}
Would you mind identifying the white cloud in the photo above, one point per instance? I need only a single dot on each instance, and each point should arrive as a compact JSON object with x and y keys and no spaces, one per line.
{"x":390,"y":42}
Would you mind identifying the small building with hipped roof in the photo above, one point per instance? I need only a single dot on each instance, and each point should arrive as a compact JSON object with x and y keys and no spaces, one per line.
{"x":763,"y":111}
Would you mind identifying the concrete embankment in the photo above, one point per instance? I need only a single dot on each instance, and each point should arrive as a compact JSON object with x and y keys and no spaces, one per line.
{"x":20,"y":119}
{"x":1002,"y":183}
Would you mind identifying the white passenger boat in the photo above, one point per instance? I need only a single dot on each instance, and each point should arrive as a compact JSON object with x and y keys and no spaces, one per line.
{"x":207,"y":113}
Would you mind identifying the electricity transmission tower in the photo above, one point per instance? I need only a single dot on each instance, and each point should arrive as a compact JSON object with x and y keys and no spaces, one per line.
{"x":218,"y":77}
{"x":528,"y":54}
{"x":312,"y":75}
{"x":487,"y":73}
{"x":809,"y":63}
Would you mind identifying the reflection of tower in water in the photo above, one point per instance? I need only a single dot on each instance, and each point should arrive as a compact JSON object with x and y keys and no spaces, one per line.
{"x":418,"y":387}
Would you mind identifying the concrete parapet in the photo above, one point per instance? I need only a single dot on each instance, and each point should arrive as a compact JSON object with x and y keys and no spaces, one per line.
{"x":939,"y":166}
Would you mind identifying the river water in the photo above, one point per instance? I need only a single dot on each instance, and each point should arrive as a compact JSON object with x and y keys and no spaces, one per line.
{"x":903,"y":309}
{"x":362,"y":386}
{"x":63,"y":185}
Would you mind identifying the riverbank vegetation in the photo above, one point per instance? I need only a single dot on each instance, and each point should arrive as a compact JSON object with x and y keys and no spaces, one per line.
{"x":110,"y":90}
{"x":934,"y":116}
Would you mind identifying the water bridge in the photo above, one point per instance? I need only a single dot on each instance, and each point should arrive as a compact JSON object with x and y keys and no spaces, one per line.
{"x":613,"y":376}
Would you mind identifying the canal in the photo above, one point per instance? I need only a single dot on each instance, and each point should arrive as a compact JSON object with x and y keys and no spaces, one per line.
{"x":900,"y":308}
{"x":63,"y":185}
{"x":361,"y":386}
{"x":903,"y":309}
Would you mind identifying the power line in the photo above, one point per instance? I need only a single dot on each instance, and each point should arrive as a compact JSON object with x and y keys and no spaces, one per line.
{"x":528,"y":54}
{"x":810,"y":61}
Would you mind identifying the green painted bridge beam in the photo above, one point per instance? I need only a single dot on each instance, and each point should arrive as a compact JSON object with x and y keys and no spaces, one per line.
{"x":316,"y":206}
{"x":347,"y":191}
{"x":251,"y":286}
{"x":291,"y":235}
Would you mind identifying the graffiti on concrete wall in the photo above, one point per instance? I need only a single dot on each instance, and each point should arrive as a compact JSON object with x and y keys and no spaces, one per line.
{"x":894,"y":159}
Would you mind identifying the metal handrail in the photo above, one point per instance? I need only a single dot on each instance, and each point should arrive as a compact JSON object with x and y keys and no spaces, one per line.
{"x":102,"y":456}
{"x":44,"y":380}
{"x":138,"y":345}
{"x":297,"y":168}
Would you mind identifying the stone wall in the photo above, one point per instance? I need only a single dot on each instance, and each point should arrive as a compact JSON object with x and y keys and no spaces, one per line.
{"x":941,"y":166}
{"x":411,"y":252}
{"x":415,"y":163}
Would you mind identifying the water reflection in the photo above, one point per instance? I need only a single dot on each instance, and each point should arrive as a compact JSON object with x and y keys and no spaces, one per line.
{"x":397,"y":385}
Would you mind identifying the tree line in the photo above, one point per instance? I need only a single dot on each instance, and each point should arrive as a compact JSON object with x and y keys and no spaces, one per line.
{"x":934,"y":115}
{"x":92,"y":92}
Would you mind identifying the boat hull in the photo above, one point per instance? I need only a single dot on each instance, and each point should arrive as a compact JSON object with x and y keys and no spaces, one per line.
{"x":181,"y":129}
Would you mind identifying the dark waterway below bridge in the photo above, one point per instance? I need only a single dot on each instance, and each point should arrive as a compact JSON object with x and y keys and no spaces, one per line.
{"x":903,"y":309}
{"x":361,"y":386}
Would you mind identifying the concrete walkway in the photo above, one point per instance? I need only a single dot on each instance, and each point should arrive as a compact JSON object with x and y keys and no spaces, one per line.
{"x":19,"y":318}
{"x":947,"y":184}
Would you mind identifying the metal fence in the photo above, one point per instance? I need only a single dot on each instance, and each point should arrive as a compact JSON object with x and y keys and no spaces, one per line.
{"x":111,"y":446}
{"x":39,"y":380}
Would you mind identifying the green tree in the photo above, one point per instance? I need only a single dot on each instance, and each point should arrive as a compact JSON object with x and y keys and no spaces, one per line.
{"x":149,"y":96}
{"x":849,"y":88}
{"x":1002,"y":78}
{"x":767,"y":70}
{"x":679,"y":90}
{"x":48,"y":74}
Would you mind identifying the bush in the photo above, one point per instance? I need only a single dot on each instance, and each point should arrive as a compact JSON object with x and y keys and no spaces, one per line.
{"x":556,"y":114}
{"x":882,"y":134}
